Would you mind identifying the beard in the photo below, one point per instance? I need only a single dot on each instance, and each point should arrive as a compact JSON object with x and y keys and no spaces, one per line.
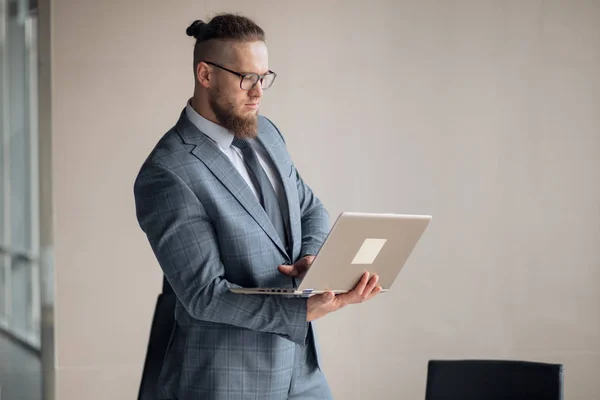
{"x":243,"y":127}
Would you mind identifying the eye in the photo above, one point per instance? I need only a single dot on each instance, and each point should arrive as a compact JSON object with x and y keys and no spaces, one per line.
{"x":249,"y":81}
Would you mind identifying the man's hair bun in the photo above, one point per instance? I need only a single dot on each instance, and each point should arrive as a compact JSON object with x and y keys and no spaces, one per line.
{"x":195,"y":29}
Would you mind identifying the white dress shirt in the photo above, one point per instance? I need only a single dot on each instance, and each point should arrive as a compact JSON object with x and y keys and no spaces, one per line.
{"x":224,"y":138}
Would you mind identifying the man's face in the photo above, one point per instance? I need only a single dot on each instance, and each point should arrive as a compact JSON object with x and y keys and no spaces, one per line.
{"x":237,"y":109}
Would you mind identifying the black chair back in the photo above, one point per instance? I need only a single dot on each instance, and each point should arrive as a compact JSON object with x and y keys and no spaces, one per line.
{"x":493,"y":380}
{"x":160,"y":335}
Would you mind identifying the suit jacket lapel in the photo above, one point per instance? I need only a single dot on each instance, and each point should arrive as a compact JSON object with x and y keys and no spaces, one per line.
{"x":209,"y":153}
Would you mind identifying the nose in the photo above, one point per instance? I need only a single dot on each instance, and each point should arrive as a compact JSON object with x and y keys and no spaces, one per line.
{"x":256,"y":91}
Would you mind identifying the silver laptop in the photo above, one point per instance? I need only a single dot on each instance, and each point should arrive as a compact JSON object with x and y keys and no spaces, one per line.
{"x":358,"y":242}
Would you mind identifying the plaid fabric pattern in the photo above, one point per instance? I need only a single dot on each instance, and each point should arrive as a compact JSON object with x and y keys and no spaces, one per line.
{"x":210,"y":233}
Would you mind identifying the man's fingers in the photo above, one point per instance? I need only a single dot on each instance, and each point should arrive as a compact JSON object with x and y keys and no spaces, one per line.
{"x":289,"y":270}
{"x":327,"y":297}
{"x":320,"y":305}
{"x":372,"y":284}
{"x":298,"y":269}
{"x":375,"y":292}
{"x":364,"y":290}
{"x":302,"y":268}
{"x":355,"y":294}
{"x":362,"y":284}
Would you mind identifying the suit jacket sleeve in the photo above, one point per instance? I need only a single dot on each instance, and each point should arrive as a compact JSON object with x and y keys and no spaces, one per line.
{"x":182,"y":237}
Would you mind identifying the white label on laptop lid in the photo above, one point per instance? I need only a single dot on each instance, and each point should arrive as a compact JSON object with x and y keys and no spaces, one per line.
{"x":369,"y":251}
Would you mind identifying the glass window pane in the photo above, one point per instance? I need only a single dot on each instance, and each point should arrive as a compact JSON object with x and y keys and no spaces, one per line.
{"x":3,"y":193}
{"x":34,"y":323}
{"x":19,"y":269}
{"x":20,"y":292}
{"x":3,"y":290}
{"x":3,"y":124}
{"x":25,"y":299}
{"x":2,"y":220}
{"x":18,"y":111}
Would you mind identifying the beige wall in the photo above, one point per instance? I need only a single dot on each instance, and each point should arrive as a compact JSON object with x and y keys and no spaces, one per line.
{"x":485,"y":114}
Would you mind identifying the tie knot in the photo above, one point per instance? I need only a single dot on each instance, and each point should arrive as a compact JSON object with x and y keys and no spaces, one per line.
{"x":240,"y":143}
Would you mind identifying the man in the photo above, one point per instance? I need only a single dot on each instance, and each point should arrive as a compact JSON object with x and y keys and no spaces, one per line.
{"x":223,"y":206}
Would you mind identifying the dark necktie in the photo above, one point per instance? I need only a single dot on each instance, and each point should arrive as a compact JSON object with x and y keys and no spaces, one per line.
{"x":266,"y":194}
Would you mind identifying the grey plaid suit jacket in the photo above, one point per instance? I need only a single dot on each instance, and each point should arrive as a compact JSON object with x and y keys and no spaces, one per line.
{"x":210,"y":233}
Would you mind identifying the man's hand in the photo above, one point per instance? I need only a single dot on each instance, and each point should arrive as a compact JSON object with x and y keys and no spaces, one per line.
{"x":322,"y":304}
{"x":299,"y":268}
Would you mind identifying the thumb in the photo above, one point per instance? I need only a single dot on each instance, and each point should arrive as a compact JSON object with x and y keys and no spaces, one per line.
{"x":328,"y":297}
{"x":287,"y":270}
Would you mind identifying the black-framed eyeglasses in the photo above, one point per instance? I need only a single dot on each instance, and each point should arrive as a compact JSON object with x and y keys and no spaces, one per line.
{"x":248,"y":81}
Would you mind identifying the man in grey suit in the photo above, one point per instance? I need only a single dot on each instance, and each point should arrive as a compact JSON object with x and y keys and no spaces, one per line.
{"x":223,"y":206}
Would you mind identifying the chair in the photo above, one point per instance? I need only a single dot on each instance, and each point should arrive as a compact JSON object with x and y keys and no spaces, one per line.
{"x":493,"y":380}
{"x":160,"y":335}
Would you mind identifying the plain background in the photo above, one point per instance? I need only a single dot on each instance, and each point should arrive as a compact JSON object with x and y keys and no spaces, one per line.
{"x":485,"y":114}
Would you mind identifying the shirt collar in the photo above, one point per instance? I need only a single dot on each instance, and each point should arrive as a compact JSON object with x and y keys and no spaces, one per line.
{"x":216,"y":132}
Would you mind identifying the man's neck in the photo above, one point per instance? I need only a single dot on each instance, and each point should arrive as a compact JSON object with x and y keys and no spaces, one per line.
{"x":203,"y":110}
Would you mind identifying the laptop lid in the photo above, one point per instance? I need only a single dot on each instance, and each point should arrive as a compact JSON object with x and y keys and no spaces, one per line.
{"x":359,"y":242}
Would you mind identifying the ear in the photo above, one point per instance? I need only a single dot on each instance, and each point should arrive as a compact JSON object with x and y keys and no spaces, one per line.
{"x":203,"y":75}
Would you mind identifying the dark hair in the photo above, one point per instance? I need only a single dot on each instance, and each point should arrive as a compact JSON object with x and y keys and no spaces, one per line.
{"x":221,"y":28}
